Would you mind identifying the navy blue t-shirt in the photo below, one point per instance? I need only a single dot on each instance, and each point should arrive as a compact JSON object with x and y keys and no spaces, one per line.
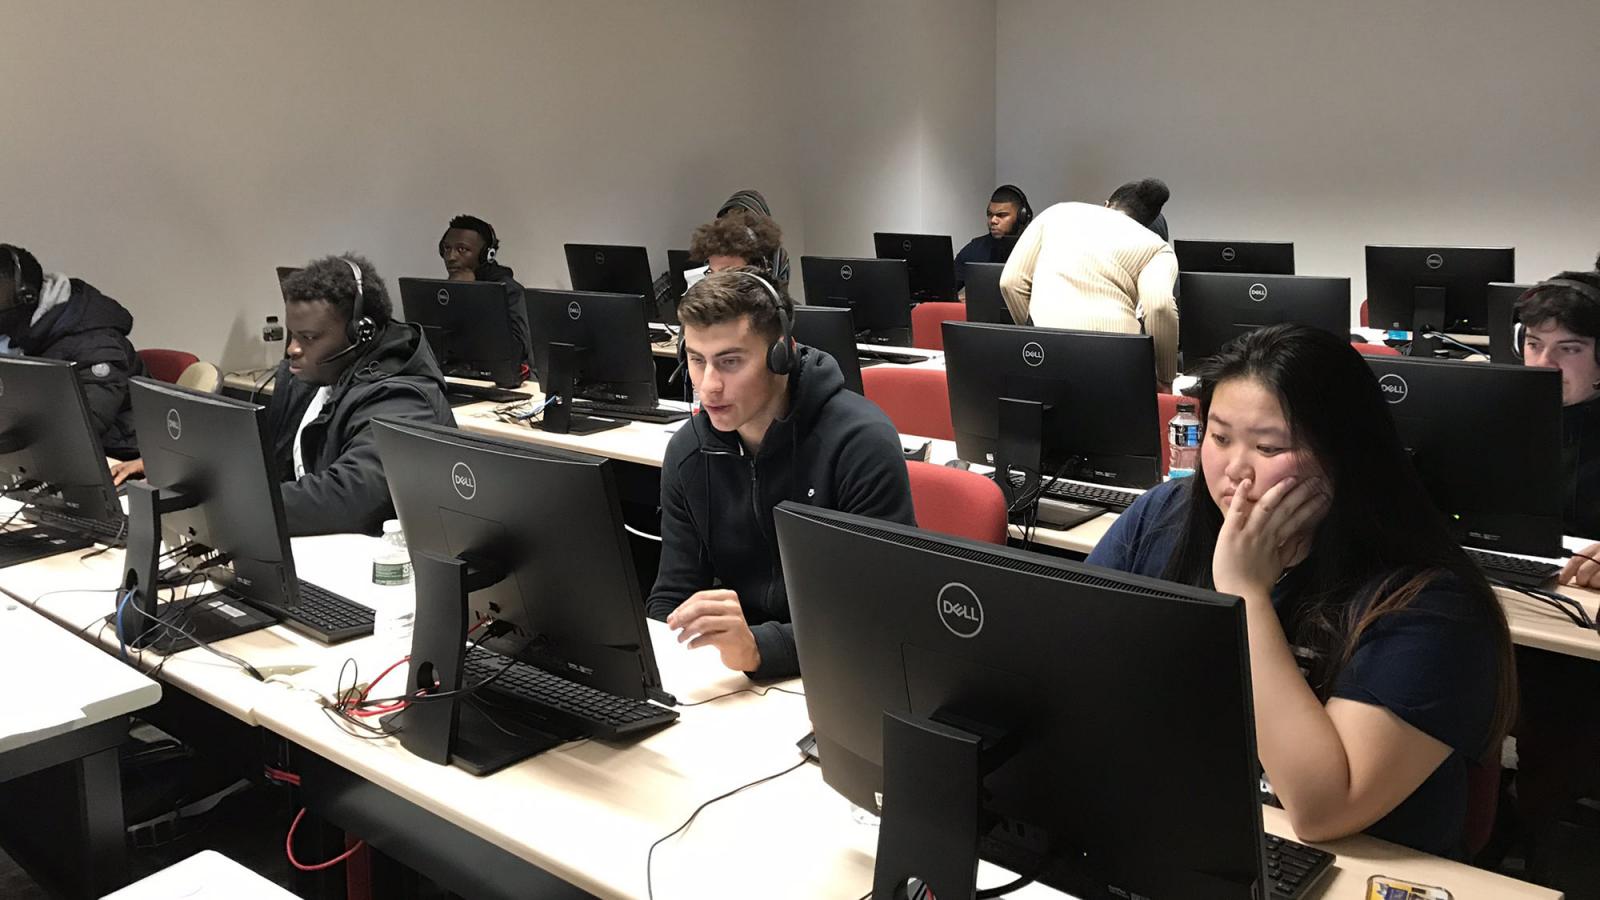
{"x":1433,"y":665}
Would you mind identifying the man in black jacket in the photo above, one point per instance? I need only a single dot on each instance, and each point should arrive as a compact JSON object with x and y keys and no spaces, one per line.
{"x":56,"y":317}
{"x":776,"y":424}
{"x":342,"y":368}
{"x":470,"y":250}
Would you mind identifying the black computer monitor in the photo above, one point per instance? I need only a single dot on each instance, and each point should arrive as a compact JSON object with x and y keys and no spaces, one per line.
{"x":832,"y":331}
{"x":531,"y":537}
{"x":1502,"y":303}
{"x":467,"y":325}
{"x":678,"y":262}
{"x":930,"y":262}
{"x":209,"y":484}
{"x":1218,"y":307}
{"x":985,"y":303}
{"x":1254,"y":257}
{"x":595,"y":346}
{"x":1048,"y":401}
{"x":1486,"y":440}
{"x":1437,"y":289}
{"x":284,"y":273}
{"x":1086,"y":727}
{"x":48,"y":444}
{"x":876,"y":291}
{"x":610,"y":269}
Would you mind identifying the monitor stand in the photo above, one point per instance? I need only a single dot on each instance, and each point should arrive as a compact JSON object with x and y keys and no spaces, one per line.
{"x":450,"y":732}
{"x":1019,"y":444}
{"x":558,"y":415}
{"x":1427,"y":315}
{"x":169,"y":627}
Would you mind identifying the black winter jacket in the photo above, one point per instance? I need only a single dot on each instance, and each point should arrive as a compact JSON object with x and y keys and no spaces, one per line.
{"x":1580,"y":459}
{"x":834,"y":450}
{"x":344,"y":489}
{"x":91,"y":331}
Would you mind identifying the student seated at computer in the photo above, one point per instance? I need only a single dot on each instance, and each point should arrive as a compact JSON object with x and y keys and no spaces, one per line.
{"x":56,"y":317}
{"x":347,"y":362}
{"x":739,"y":239}
{"x":470,"y":250}
{"x":1008,"y":214}
{"x":1305,"y":505}
{"x":747,"y":205}
{"x":776,"y":423}
{"x":1100,"y":268}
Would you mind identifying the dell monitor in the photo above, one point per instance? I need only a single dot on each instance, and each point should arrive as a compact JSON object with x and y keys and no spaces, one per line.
{"x":468,"y":327}
{"x":833,"y":332}
{"x":985,"y":702}
{"x":1486,"y":441}
{"x":1502,"y":321}
{"x":985,"y":303}
{"x":1427,"y":290}
{"x":1048,"y":402}
{"x":532,"y":538}
{"x":595,"y":346}
{"x":1251,"y":257}
{"x":610,"y":269}
{"x":1219,"y":307}
{"x":930,"y":262}
{"x":876,"y":291}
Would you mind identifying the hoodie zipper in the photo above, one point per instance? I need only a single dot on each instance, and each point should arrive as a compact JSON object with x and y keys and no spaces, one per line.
{"x":755,"y":510}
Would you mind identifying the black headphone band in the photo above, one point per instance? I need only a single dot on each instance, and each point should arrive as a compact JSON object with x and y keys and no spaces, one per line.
{"x":780,"y":356}
{"x":24,"y":295}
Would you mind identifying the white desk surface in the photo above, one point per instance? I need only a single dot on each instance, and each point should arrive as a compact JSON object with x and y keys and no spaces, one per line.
{"x":59,"y":682}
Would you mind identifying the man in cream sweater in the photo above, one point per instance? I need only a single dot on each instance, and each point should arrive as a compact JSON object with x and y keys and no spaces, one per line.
{"x":1100,"y":268}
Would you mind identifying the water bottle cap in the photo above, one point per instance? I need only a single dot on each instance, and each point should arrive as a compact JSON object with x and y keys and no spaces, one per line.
{"x":391,"y":526}
{"x":1186,"y":406}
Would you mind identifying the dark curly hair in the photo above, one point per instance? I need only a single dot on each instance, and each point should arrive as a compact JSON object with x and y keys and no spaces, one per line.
{"x":329,"y":279}
{"x":1568,"y":307}
{"x":15,"y":260}
{"x":1141,"y":200}
{"x":748,"y":235}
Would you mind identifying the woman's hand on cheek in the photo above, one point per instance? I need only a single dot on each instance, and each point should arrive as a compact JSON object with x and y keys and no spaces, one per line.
{"x":1259,"y":539}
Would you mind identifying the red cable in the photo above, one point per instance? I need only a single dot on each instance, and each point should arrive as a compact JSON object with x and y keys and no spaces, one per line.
{"x":288,"y":849}
{"x":281,"y":775}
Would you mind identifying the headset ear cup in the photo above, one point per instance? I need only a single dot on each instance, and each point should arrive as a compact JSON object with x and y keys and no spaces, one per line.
{"x":1517,"y":335}
{"x":780,"y":356}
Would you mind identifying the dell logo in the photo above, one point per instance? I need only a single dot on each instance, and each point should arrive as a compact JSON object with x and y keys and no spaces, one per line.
{"x":174,"y":424}
{"x":443,"y":297}
{"x":465,"y":483}
{"x":960,"y":610}
{"x":1033,"y":353}
{"x":599,"y":258}
{"x":1258,"y":292}
{"x":1394,"y":388}
{"x":1227,"y":254}
{"x":574,"y":311}
{"x":846,"y":272}
{"x":906,"y":246}
{"x":1435,"y":261}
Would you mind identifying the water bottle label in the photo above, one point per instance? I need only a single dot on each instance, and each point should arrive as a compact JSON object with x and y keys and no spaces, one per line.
{"x":1179,"y":473}
{"x":390,"y":574}
{"x":1184,"y":435}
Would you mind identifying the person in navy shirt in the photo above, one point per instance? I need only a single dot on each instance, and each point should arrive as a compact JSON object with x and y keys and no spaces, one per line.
{"x":1380,"y":659}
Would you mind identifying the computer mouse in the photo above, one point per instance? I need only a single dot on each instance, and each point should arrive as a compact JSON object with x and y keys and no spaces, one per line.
{"x":959,"y":464}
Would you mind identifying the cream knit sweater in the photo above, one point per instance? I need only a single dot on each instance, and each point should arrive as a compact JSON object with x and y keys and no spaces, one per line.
{"x":1091,"y":268}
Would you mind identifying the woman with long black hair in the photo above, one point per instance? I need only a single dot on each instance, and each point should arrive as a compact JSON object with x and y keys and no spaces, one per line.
{"x":1379,"y":656}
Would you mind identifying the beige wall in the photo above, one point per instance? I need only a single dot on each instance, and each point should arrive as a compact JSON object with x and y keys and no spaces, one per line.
{"x":1330,"y":124}
{"x":174,"y":152}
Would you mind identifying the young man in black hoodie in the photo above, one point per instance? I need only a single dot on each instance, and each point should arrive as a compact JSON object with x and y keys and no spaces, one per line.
{"x":56,"y":317}
{"x":470,"y":250}
{"x":776,"y":423}
{"x":1007,"y":214}
{"x":347,"y":362}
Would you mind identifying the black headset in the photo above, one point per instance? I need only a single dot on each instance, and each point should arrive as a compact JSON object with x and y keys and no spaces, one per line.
{"x":491,"y":246}
{"x":25,"y":295}
{"x":1024,"y":211}
{"x":1519,"y":331}
{"x":781,"y":355}
{"x":361,"y":330}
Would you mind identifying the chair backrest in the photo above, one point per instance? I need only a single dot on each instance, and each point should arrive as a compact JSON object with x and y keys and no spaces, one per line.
{"x":1364,"y":315}
{"x":926,"y":319}
{"x":167,"y":365}
{"x":957,"y":502}
{"x":1376,"y":350}
{"x":201,"y":376}
{"x":1483,"y":800}
{"x":917,"y":400}
{"x":1166,"y":408}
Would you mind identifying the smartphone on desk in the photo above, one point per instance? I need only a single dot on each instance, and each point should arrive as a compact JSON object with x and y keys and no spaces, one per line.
{"x":1383,"y":887}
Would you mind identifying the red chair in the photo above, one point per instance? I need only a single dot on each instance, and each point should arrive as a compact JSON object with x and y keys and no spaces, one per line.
{"x":1166,"y":408}
{"x":167,"y":365}
{"x":917,"y":400}
{"x":957,"y":502}
{"x":926,"y":319}
{"x":1364,"y":315}
{"x":1377,"y":350}
{"x":1483,"y":794}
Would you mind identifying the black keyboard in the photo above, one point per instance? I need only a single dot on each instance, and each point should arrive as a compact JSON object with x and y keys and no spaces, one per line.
{"x":1293,"y":869}
{"x":459,"y":394}
{"x":602,"y":714}
{"x":108,"y":531}
{"x":888,"y":356}
{"x":1114,"y":499}
{"x":326,"y":616}
{"x":29,"y":544}
{"x":657,"y":414}
{"x":1514,"y":569}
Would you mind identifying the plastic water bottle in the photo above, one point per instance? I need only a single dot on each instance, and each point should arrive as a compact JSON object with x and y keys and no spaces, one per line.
{"x":1183,"y":441}
{"x":391,"y":563}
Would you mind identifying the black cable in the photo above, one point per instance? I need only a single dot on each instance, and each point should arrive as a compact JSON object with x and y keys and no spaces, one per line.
{"x":649,"y":857}
{"x":1567,"y":606}
{"x":252,"y":671}
{"x":759,"y":692}
{"x":446,"y":695}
